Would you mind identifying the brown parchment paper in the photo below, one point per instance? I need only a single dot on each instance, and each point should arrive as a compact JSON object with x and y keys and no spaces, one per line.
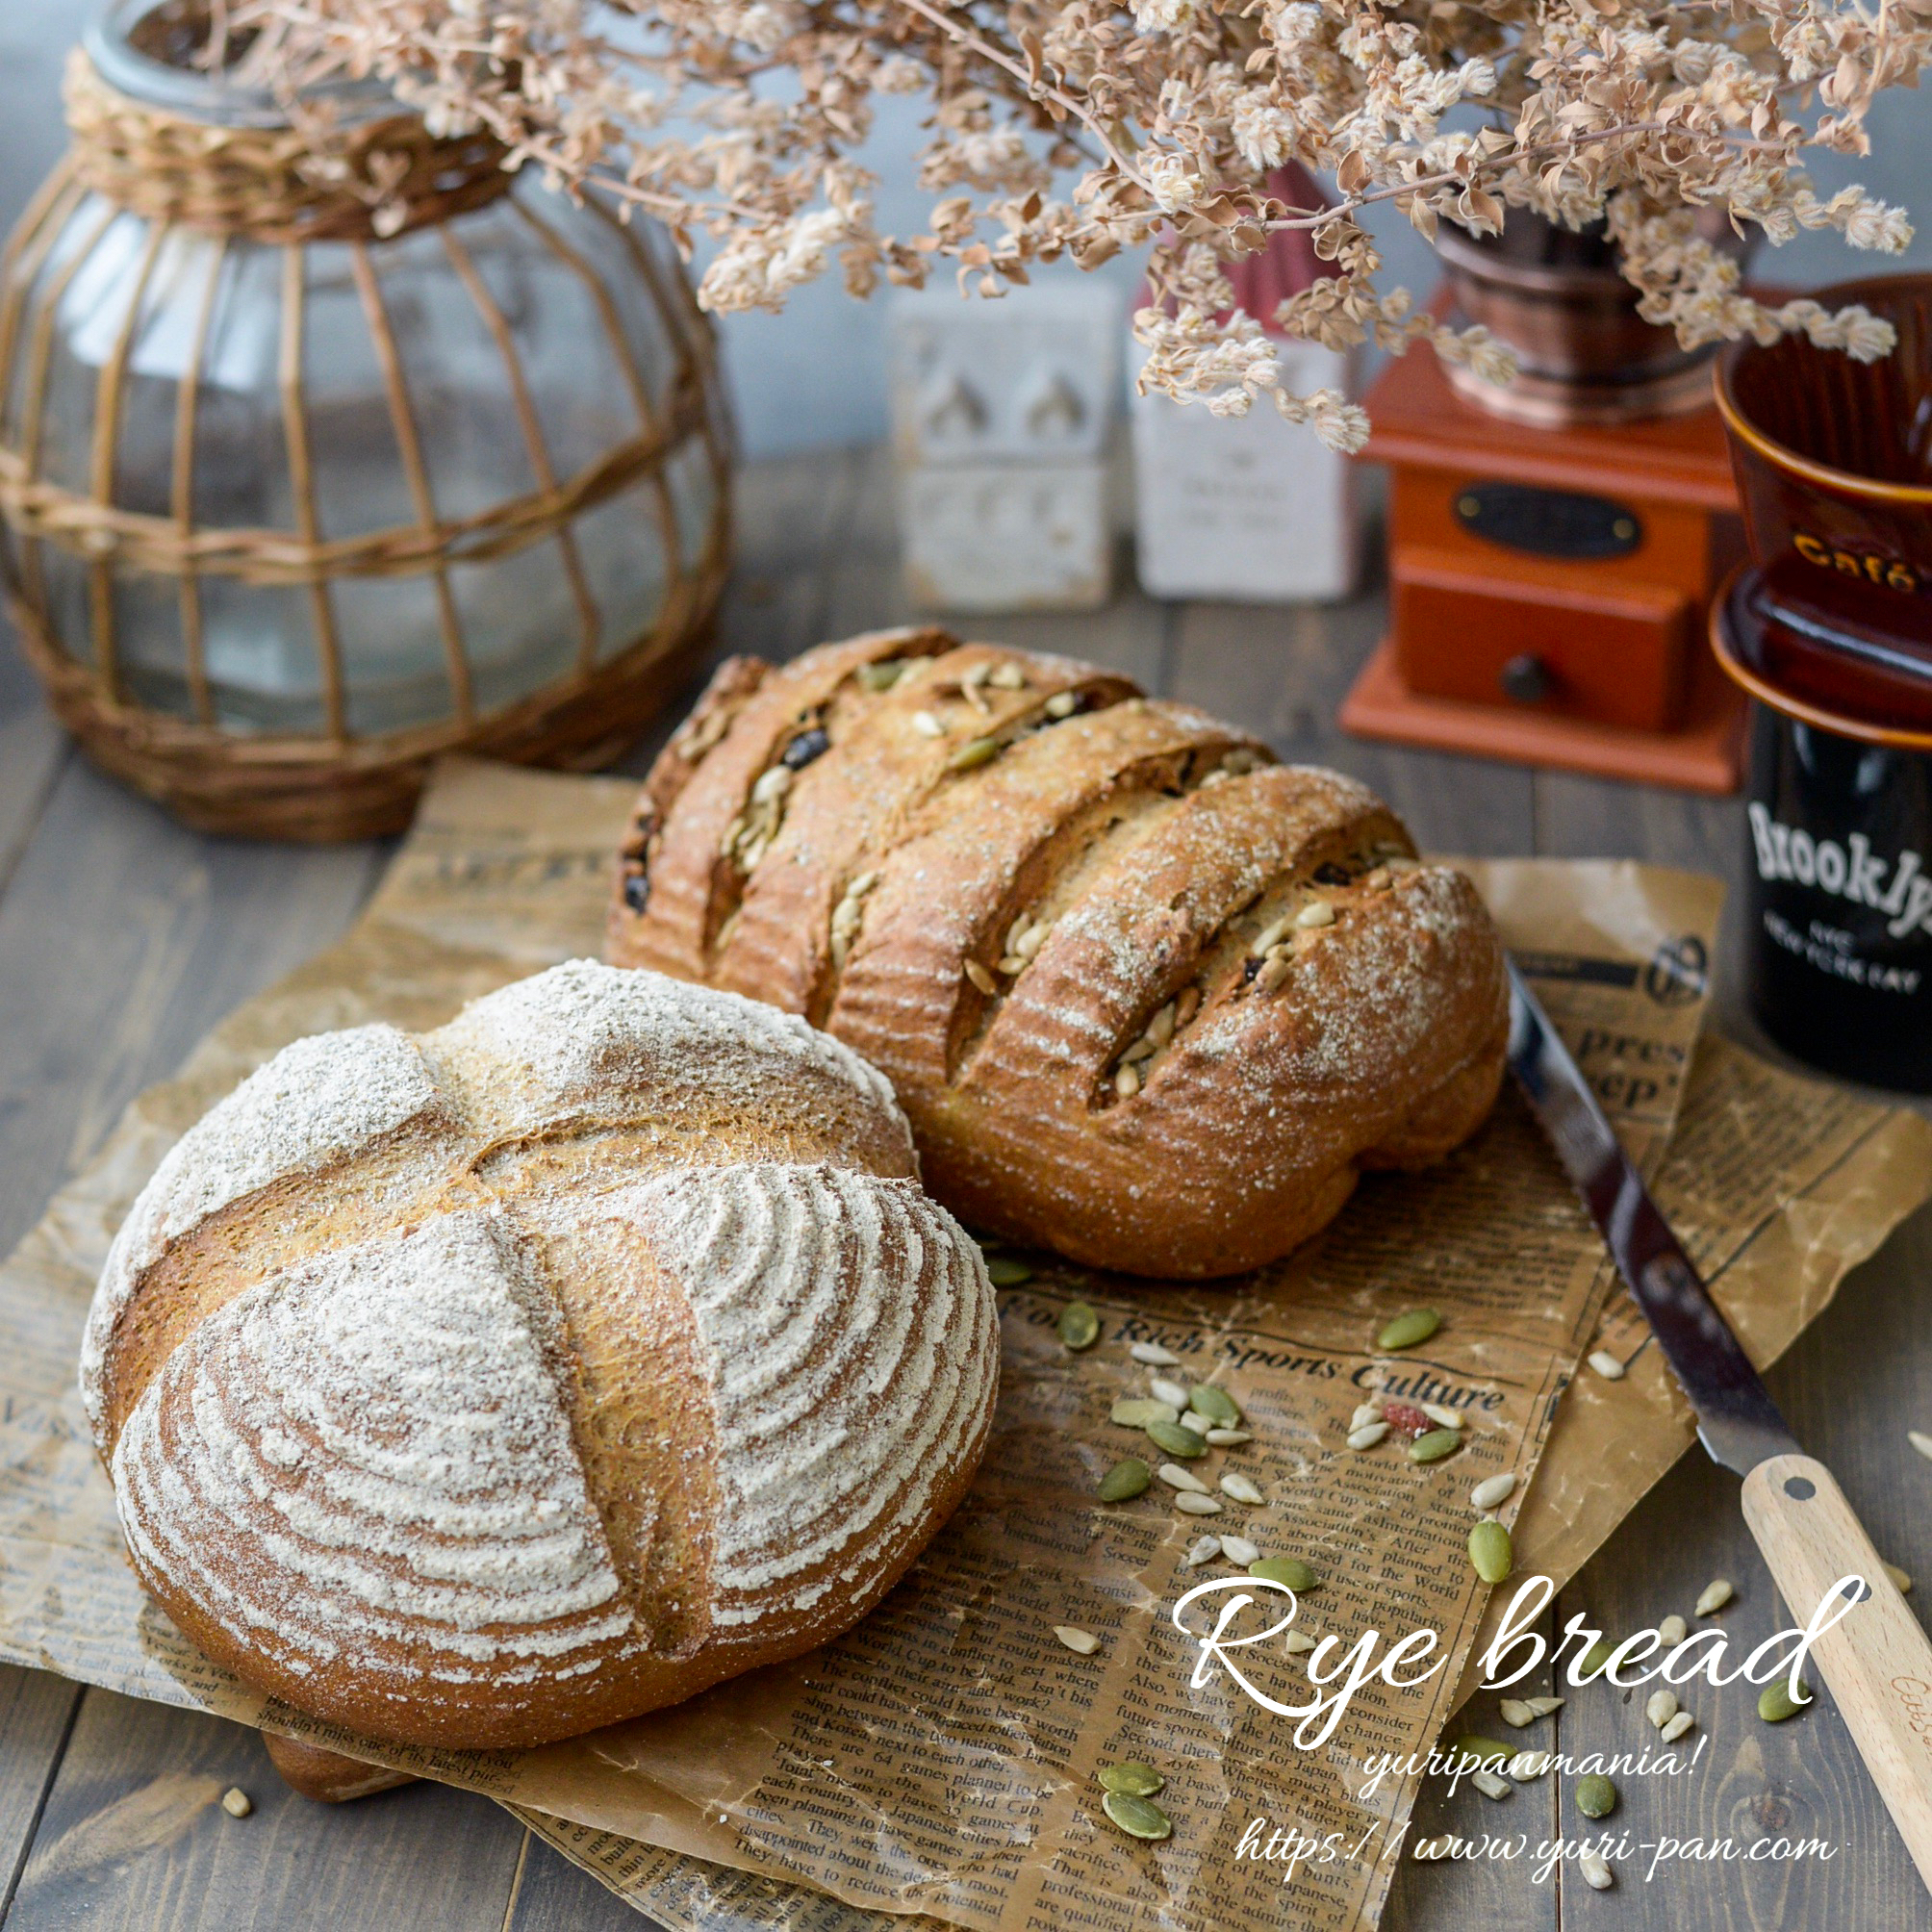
{"x":937,"y":1761}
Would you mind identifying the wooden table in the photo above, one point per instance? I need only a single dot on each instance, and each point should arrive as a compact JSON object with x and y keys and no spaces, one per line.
{"x":123,"y":939}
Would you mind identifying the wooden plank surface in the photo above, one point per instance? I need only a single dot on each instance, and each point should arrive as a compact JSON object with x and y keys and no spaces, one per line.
{"x":123,"y":937}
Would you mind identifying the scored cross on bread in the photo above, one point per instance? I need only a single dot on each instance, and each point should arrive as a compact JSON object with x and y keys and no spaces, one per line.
{"x":1148,"y":996}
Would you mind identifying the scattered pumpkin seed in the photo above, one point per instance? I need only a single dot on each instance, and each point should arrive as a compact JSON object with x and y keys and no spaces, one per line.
{"x":1673,"y":1630}
{"x":1677,"y":1726}
{"x":1202,"y":1550}
{"x":1239,"y":1551}
{"x":1079,"y":1326}
{"x":1004,"y":1272}
{"x":1229,"y":1438}
{"x":1660,"y":1708}
{"x":1596,"y":1874}
{"x":1490,"y":1784}
{"x":1493,"y":1491}
{"x":1776,"y":1702}
{"x":1406,"y":1330}
{"x":1136,"y":1779}
{"x":1082,"y":1642}
{"x":1153,"y":1355}
{"x":1489,"y":1550}
{"x":1215,"y":1403}
{"x":1901,"y":1579}
{"x":1605,"y":1364}
{"x":1367,"y":1436}
{"x":1177,"y":1440}
{"x":1128,"y":1479}
{"x":1289,"y":1571}
{"x":1237,"y":1486}
{"x":1592,"y":1662}
{"x":1178,"y":1478}
{"x":1443,"y":1417}
{"x":1136,"y":1411}
{"x":1437,"y":1444}
{"x":1139,"y":1818}
{"x":1473,"y":1750}
{"x":1526,"y":1767}
{"x":1167,"y":1390}
{"x":1515,"y":1711}
{"x":1715,"y":1597}
{"x":1191,"y":1504}
{"x":879,"y":677}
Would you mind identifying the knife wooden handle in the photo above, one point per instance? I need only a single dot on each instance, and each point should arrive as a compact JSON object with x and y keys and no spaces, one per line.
{"x":1876,"y":1660}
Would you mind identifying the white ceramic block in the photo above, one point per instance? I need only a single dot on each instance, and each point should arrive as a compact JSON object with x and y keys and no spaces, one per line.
{"x":1005,"y":536}
{"x":1249,"y":508}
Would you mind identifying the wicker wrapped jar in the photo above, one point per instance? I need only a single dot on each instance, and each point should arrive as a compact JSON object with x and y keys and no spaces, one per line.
{"x":316,"y":463}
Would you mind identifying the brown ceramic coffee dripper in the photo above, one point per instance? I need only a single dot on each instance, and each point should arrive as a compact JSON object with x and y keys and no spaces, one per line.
{"x":1834,"y":464}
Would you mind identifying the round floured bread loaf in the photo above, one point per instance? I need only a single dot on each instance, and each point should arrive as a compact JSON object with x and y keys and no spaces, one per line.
{"x":1148,"y":996}
{"x":483,"y":1387}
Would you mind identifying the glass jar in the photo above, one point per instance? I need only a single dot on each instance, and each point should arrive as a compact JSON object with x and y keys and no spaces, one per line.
{"x":322,"y":464}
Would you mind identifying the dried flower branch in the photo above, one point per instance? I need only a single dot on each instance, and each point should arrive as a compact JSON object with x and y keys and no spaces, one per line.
{"x":745,"y":118}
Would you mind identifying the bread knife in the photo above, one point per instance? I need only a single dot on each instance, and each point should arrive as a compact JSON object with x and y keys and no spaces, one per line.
{"x":1876,"y":1659}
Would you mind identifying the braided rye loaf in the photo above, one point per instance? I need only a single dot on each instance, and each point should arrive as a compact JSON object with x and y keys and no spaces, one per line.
{"x":488,"y":1385}
{"x":1147,"y":996}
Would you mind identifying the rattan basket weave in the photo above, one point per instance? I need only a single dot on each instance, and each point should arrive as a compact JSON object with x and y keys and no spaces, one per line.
{"x":149,"y":615}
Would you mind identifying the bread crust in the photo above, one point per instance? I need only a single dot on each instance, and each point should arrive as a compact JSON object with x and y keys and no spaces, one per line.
{"x":1051,"y":910}
{"x":481,"y":1387}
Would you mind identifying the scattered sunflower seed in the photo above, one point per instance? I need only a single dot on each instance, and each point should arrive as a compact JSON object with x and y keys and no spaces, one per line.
{"x":1061,"y":704}
{"x":1128,"y":1479}
{"x":1191,"y":1504}
{"x":1515,"y":1711}
{"x":1920,"y":1442}
{"x":1153,"y":1355}
{"x":1004,"y":1272}
{"x":1673,"y":1630}
{"x":1677,"y":1726}
{"x":1007,"y":678}
{"x":1177,"y":1440}
{"x":1202,"y":1550}
{"x":1297,"y":1642}
{"x":1215,"y":1403}
{"x":1136,"y":1411}
{"x":981,"y":979}
{"x":1490,"y":1784}
{"x":1079,"y":1326}
{"x":1406,"y":1330}
{"x":1229,"y":1438}
{"x":1492,"y":1492}
{"x":1127,"y":1082}
{"x":1178,"y":1478}
{"x":1542,"y":1707}
{"x":1237,"y":1486}
{"x":1239,"y":1551}
{"x":1367,"y":1436}
{"x":1901,"y":1579}
{"x":1489,"y":1550}
{"x":1369,"y":1412}
{"x":1605,"y":1364}
{"x":1442,"y":1417}
{"x":236,"y":1802}
{"x":1317,"y":912}
{"x":1193,"y":1419}
{"x":1715,"y":1597}
{"x":1289,"y":1571}
{"x":1167,"y":1390}
{"x":1139,"y":1818}
{"x":1136,"y":1780}
{"x":1595,"y":1871}
{"x":1776,"y":1702}
{"x":1437,"y":1444}
{"x":1660,"y":1708}
{"x":1526,"y":1767}
{"x":1081,"y":1642}
{"x":928,"y":726}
